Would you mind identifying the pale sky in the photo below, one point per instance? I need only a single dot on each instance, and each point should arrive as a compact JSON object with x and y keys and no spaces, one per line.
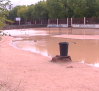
{"x":24,"y":2}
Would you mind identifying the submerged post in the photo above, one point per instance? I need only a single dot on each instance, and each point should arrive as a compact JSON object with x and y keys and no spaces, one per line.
{"x":63,"y":57}
{"x":49,"y":25}
{"x":71,"y":21}
{"x":57,"y":22}
{"x":67,"y":22}
{"x":84,"y":20}
{"x":63,"y":48}
{"x":35,"y":22}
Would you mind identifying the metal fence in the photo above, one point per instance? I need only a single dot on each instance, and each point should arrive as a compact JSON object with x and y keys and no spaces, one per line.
{"x":59,"y":21}
{"x":62,"y":21}
{"x":86,"y":20}
{"x":53,"y":21}
{"x":28,"y":22}
{"x":92,"y":20}
{"x":77,"y":20}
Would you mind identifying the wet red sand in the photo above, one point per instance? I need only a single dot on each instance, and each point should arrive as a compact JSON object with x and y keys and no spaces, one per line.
{"x":26,"y":71}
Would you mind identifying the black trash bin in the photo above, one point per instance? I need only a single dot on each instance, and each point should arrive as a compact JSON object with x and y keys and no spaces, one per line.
{"x":63,"y":48}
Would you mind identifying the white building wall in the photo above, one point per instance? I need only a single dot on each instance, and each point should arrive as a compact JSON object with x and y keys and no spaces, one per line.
{"x":55,"y":25}
{"x":85,"y":26}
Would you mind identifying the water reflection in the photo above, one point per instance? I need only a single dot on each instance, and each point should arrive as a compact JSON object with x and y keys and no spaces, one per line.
{"x":25,"y":32}
{"x":80,"y":50}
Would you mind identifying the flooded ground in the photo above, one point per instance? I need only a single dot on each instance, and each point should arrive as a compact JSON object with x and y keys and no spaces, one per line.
{"x":42,"y":42}
{"x":79,"y":50}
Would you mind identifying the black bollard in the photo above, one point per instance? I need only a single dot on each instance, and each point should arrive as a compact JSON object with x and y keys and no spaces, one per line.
{"x":63,"y":48}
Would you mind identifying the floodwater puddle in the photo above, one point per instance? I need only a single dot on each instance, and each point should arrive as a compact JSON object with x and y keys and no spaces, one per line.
{"x":86,"y":51}
{"x":80,"y":50}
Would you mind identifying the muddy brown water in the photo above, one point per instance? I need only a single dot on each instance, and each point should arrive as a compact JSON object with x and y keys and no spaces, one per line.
{"x":80,"y":50}
{"x":41,"y":40}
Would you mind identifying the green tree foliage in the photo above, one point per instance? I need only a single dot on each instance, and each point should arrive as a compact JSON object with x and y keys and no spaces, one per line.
{"x":84,"y":8}
{"x":59,"y":9}
{"x":53,"y":9}
{"x":40,"y":12}
{"x":30,"y":12}
{"x":5,"y":6}
{"x":23,"y":13}
{"x":13,"y":12}
{"x":67,"y":12}
{"x":93,"y":8}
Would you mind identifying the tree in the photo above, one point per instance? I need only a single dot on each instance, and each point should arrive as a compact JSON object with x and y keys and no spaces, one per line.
{"x":67,"y":12}
{"x":30,"y":12}
{"x":5,"y":6}
{"x":13,"y":12}
{"x":59,"y":9}
{"x":40,"y":12}
{"x":93,"y":8}
{"x":54,"y":8}
{"x":84,"y":8}
{"x":22,"y":12}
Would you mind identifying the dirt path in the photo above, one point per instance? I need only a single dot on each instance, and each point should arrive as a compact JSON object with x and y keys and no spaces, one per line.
{"x":25,"y":71}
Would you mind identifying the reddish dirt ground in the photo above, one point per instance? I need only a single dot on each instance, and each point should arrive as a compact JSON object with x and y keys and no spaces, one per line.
{"x":26,"y":71}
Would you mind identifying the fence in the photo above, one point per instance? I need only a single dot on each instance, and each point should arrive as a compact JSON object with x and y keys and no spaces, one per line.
{"x":85,"y":21}
{"x":92,"y":20}
{"x":68,"y":21}
{"x":77,"y":21}
{"x":28,"y":22}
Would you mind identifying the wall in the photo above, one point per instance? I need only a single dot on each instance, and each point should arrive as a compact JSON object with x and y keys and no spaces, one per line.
{"x":85,"y":26}
{"x":22,"y":26}
{"x":55,"y":25}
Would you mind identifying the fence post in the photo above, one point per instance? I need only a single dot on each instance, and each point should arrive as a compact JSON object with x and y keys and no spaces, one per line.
{"x":84,"y":24}
{"x":49,"y":25}
{"x":19,"y":22}
{"x":71,"y":21}
{"x":41,"y":21}
{"x":57,"y":22}
{"x":84,"y":20}
{"x":67,"y":22}
{"x":35,"y":22}
{"x":48,"y":21}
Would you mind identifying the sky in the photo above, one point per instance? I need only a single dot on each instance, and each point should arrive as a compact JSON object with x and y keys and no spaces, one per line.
{"x":24,"y":2}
